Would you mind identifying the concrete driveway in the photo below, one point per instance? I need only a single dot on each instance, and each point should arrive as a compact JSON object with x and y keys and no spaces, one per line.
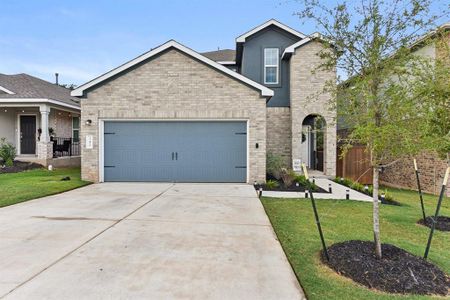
{"x":143,"y":241}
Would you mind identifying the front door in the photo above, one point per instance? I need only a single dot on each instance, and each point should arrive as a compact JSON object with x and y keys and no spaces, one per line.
{"x":27,"y":134}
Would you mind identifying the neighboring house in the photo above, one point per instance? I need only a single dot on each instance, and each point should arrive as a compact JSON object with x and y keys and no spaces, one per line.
{"x":40,"y":119}
{"x":355,"y":164}
{"x":432,"y":168}
{"x":173,"y":114}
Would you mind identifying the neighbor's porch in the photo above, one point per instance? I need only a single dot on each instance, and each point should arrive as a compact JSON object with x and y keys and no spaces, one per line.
{"x":42,"y":133}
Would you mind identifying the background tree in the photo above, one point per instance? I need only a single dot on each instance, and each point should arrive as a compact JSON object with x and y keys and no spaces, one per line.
{"x":431,"y":84}
{"x":372,"y":39}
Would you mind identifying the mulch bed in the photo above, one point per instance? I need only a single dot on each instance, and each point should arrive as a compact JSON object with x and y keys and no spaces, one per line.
{"x":292,"y":188}
{"x":19,"y":166}
{"x":442,"y":224}
{"x":397,"y":272}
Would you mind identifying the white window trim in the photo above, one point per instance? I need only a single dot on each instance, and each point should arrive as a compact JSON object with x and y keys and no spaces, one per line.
{"x":271,"y":66}
{"x":79,"y":127}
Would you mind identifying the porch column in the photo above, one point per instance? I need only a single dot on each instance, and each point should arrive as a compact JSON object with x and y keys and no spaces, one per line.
{"x":45,"y":111}
{"x":45,"y":147}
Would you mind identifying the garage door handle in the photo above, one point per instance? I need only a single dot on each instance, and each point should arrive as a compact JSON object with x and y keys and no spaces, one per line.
{"x":176,"y":155}
{"x":173,"y":155}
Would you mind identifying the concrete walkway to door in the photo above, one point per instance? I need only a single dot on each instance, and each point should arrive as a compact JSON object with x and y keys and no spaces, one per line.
{"x":143,"y":241}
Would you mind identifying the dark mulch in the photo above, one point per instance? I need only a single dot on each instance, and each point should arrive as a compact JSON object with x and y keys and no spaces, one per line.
{"x":292,"y":188}
{"x":389,"y":202}
{"x":19,"y":166}
{"x":397,"y":272}
{"x":442,"y":224}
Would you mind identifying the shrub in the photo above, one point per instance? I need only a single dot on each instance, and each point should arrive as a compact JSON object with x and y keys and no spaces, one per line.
{"x":7,"y":152}
{"x":274,"y":164}
{"x":360,"y":188}
{"x":287,"y":176}
{"x":301,"y":179}
{"x":272,"y":184}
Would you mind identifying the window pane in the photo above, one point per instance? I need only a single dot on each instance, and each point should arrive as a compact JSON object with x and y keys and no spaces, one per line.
{"x":271,"y":56}
{"x":76,"y":136}
{"x":76,"y":122}
{"x":271,"y":74}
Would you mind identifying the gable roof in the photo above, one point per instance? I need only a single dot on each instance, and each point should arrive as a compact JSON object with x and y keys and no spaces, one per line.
{"x":291,"y":49}
{"x":24,"y":86}
{"x":265,"y":92}
{"x":243,"y":37}
{"x":225,"y":56}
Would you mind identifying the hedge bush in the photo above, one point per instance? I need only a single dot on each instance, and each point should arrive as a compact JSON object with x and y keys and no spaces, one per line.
{"x":7,"y":152}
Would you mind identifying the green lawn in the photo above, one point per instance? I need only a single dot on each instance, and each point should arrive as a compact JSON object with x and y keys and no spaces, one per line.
{"x":23,"y":186}
{"x":295,"y":227}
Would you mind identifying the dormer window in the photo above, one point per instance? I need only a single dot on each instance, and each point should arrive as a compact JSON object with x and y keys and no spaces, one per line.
{"x":271,"y":65}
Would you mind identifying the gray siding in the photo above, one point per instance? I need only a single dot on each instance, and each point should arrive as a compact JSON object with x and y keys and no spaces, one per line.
{"x":8,"y":125}
{"x":253,"y":61}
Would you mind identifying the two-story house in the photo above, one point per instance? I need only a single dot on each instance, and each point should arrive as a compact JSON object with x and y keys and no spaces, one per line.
{"x":173,"y":114}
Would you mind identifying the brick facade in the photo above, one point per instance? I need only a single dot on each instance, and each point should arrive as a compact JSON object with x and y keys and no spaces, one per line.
{"x":61,"y":122}
{"x":307,"y":98}
{"x":174,"y":86}
{"x":279,"y":133}
{"x":431,"y":170}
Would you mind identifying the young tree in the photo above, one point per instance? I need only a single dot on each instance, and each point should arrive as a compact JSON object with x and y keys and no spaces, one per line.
{"x":372,"y":40}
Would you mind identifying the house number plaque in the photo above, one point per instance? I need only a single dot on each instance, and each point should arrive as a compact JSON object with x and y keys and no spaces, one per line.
{"x":89,"y":141}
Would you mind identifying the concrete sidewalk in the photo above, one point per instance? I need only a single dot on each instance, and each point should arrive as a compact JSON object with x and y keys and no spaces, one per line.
{"x":338,"y":192}
{"x":144,"y":241}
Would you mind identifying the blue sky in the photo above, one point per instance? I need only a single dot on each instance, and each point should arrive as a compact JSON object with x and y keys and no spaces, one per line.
{"x":83,"y":39}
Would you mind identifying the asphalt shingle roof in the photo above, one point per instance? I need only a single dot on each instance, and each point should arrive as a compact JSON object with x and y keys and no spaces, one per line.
{"x":221,"y":55}
{"x":27,"y":86}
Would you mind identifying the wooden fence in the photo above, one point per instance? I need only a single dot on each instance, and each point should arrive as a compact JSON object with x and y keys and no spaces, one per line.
{"x":355,"y":164}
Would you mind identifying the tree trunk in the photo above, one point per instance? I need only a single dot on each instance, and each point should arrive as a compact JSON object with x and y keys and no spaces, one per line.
{"x":376,"y":213}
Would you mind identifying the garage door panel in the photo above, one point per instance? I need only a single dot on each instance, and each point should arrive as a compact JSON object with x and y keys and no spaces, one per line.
{"x":214,"y":154}
{"x":203,"y":151}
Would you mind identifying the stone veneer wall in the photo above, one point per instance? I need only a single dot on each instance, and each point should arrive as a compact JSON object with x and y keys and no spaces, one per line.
{"x":306,"y":83}
{"x":279,"y":133}
{"x":174,"y":86}
{"x":431,"y":170}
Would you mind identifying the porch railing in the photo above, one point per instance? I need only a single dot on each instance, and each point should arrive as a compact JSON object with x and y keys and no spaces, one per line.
{"x":65,"y":147}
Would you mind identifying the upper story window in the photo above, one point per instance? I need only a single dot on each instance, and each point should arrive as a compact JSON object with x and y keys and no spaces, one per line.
{"x":271,"y":65}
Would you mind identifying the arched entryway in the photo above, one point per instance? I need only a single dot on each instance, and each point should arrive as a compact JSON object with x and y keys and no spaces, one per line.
{"x":313,"y":142}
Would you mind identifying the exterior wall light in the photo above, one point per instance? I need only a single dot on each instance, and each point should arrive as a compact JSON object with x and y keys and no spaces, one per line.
{"x":88,"y":122}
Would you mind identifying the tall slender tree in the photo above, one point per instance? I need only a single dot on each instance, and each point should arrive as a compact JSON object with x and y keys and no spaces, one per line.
{"x":372,"y":41}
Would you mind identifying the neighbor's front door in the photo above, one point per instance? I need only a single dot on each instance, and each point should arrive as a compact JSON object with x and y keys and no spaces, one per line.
{"x":27,"y":134}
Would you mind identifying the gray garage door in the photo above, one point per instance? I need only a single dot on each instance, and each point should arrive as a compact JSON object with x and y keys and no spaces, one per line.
{"x":175,"y":151}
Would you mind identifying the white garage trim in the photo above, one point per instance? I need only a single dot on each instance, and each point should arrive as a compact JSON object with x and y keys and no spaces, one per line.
{"x":101,"y":142}
{"x":265,"y":92}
